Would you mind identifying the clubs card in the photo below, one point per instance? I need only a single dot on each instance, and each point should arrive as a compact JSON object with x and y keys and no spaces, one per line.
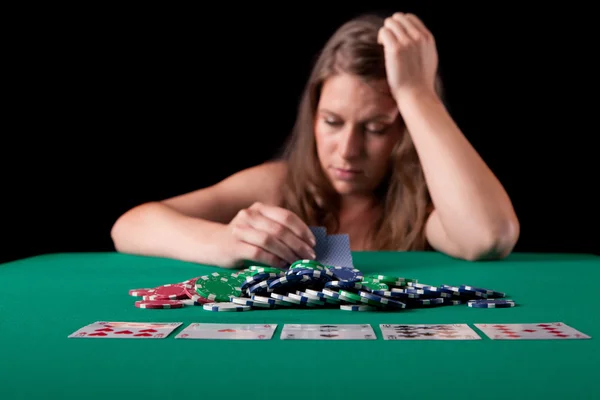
{"x":550,"y":330}
{"x":327,"y":332}
{"x":126,"y":330}
{"x":228,"y":331}
{"x":428,"y":332}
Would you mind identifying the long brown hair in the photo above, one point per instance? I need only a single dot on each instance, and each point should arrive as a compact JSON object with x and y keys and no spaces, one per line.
{"x":403,"y":195}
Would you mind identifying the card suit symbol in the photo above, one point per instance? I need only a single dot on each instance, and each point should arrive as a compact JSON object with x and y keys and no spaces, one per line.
{"x":104,"y":330}
{"x":226,"y":330}
{"x":560,"y":335}
{"x":329,"y":335}
{"x":98,"y":334}
{"x":261,"y":336}
{"x":125,"y":332}
{"x":529,"y":330}
{"x":142,"y":334}
{"x":148,"y":330}
{"x":543,"y":325}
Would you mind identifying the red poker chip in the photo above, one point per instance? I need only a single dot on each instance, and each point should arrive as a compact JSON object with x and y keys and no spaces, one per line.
{"x":190,"y":291}
{"x":174,"y":291}
{"x":140,"y":292}
{"x":159,"y":304}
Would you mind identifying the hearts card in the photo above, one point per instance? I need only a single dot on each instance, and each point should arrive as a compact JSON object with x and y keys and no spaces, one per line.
{"x":126,"y":330}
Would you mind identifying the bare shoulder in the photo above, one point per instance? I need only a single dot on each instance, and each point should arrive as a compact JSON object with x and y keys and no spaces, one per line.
{"x":223,"y":200}
{"x":260,"y":183}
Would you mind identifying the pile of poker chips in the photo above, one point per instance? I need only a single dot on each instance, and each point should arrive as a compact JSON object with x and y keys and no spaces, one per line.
{"x":308,"y":283}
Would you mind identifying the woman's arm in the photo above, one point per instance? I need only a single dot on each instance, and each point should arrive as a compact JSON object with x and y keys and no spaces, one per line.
{"x":473,"y":217}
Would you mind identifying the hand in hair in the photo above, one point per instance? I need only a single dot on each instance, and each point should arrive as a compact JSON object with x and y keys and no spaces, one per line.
{"x":269,"y":235}
{"x":411,"y":58}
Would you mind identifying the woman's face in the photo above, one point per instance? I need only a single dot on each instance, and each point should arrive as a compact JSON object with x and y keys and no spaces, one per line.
{"x":355,"y":132}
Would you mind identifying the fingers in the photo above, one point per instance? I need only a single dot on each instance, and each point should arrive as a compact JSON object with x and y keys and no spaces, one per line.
{"x":289,"y":220}
{"x":272,"y":230}
{"x":406,"y":28}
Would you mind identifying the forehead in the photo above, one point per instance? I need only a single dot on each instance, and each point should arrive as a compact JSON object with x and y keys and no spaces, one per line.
{"x":347,"y":95}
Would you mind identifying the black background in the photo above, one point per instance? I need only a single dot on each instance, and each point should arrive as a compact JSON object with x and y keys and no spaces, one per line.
{"x":110,"y":108}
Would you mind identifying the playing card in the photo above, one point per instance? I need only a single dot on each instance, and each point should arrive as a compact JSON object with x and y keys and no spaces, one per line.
{"x":127,"y":330}
{"x":321,"y":238}
{"x":327,"y":332}
{"x":428,"y":332}
{"x":228,"y":331}
{"x":549,"y":330}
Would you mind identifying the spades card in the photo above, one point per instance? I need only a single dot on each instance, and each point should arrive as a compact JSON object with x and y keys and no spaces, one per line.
{"x":327,"y":332}
{"x":550,"y":330}
{"x":428,"y":332}
{"x":228,"y":331}
{"x":126,"y":330}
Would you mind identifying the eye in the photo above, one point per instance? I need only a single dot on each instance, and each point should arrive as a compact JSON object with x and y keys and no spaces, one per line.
{"x":376,"y":128}
{"x":332,"y":122}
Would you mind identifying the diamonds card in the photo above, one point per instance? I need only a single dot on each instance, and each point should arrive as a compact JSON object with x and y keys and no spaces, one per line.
{"x":548,"y":330}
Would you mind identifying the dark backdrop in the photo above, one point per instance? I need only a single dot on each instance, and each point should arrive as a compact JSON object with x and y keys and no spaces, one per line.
{"x":115,"y":107}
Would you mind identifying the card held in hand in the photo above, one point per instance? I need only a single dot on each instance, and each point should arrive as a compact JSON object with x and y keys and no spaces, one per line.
{"x":126,"y":330}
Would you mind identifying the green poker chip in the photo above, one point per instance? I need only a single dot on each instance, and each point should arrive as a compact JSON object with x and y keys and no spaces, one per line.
{"x":218,"y":287}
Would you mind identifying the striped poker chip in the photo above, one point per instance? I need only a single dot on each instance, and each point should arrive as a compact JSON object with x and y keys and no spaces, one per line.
{"x":140,"y":292}
{"x":380,"y":299}
{"x":271,"y":300}
{"x":491,"y":303}
{"x":357,"y":307}
{"x":285,"y":298}
{"x":306,"y":300}
{"x":346,"y":274}
{"x":174,"y":291}
{"x":218,"y":287}
{"x":488,"y":292}
{"x":334,"y":285}
{"x":225,"y":306}
{"x":190,"y":290}
{"x":160,"y":304}
{"x":244,"y":301}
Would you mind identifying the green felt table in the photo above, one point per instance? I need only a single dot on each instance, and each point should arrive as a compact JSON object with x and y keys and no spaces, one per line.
{"x":43,"y":299}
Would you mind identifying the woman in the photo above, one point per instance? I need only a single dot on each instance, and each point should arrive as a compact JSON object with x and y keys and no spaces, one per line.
{"x":373,"y":154}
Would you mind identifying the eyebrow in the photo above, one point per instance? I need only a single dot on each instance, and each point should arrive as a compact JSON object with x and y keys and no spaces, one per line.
{"x":377,"y":116}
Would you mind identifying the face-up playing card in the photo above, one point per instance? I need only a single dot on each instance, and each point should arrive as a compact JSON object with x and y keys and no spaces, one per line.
{"x":428,"y":332}
{"x":550,"y":330}
{"x":327,"y":332}
{"x":126,"y":330}
{"x":228,"y":331}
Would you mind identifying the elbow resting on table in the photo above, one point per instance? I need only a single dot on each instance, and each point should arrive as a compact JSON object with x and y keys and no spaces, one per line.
{"x":495,"y":243}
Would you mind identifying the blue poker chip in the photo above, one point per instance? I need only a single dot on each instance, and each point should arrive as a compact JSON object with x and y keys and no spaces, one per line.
{"x":315,"y":274}
{"x":488,"y":292}
{"x":427,"y":302}
{"x":254,"y":279}
{"x":346,"y":274}
{"x":344,"y":285}
{"x":491,"y":303}
{"x":380,"y":299}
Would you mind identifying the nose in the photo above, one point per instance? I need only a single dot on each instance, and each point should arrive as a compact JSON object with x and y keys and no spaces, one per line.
{"x":351,"y":142}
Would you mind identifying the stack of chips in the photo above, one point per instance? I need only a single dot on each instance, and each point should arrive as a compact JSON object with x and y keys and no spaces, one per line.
{"x":308,"y":283}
